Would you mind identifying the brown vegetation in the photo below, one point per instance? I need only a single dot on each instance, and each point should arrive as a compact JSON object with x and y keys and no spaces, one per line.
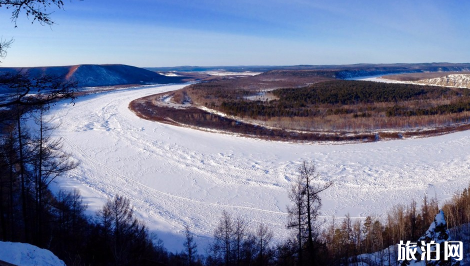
{"x":200,"y":119}
{"x":346,"y":238}
{"x":333,"y":110}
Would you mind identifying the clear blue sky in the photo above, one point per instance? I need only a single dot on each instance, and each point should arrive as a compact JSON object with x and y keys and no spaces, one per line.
{"x":150,"y":33}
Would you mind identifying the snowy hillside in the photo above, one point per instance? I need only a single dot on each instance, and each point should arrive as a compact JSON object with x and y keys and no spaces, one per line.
{"x":178,"y":176}
{"x":99,"y":75}
{"x":27,"y":255}
{"x":453,"y":80}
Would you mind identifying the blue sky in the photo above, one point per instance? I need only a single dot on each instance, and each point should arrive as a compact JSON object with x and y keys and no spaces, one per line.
{"x":148,"y":33}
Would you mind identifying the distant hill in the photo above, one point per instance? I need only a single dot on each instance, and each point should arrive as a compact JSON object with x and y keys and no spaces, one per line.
{"x":100,"y":75}
{"x":341,"y":71}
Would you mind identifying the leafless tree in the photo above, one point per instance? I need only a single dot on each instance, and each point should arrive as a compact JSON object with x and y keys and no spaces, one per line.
{"x":263,"y":238}
{"x":240,"y":233}
{"x":117,"y":219}
{"x":306,"y":203}
{"x":48,"y":161}
{"x":223,"y":239}
{"x":297,"y":213}
{"x":190,"y":246}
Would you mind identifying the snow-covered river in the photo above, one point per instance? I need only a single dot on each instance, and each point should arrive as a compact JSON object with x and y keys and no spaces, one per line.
{"x":176,"y":176}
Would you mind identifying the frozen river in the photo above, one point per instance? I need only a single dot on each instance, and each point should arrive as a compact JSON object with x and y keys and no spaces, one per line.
{"x":176,"y":176}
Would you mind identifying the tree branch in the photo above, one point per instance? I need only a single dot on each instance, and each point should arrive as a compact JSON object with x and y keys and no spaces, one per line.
{"x":4,"y":45}
{"x":36,"y":9}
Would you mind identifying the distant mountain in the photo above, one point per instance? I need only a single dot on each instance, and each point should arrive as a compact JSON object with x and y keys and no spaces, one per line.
{"x":109,"y":75}
{"x":100,"y":75}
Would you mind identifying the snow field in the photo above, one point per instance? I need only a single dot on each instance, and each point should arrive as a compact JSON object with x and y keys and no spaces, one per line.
{"x":176,"y":176}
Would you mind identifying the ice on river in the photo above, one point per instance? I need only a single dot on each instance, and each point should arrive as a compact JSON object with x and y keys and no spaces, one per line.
{"x":176,"y":176}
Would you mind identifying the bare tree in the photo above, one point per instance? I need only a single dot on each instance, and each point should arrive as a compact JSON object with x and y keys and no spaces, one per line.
{"x":297,"y":213}
{"x":117,"y":219}
{"x":223,"y":239}
{"x":125,"y":238}
{"x":240,"y":233}
{"x":306,"y":203}
{"x":190,"y":247}
{"x":48,"y":162}
{"x":29,"y":94}
{"x":263,"y":238}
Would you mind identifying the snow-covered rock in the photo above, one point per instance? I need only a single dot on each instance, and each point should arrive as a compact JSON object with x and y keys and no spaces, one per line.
{"x":27,"y":255}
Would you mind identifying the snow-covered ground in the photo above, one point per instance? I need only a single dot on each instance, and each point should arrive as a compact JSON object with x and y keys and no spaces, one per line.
{"x":27,"y":255}
{"x":228,"y":73}
{"x":381,"y":79}
{"x":176,"y":176}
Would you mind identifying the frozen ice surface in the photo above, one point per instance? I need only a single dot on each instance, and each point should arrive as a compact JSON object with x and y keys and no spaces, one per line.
{"x":176,"y":176}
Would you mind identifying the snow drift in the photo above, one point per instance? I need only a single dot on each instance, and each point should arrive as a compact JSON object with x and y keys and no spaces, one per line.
{"x":27,"y":255}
